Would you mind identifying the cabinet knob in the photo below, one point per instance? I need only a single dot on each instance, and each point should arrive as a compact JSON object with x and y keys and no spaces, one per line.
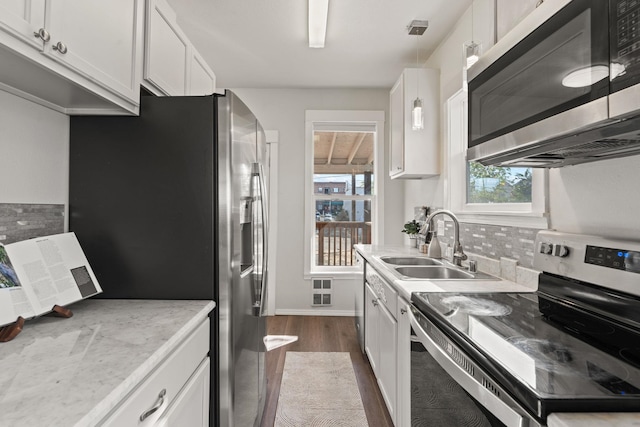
{"x":60,"y":47}
{"x":155,"y":406}
{"x":42,"y":34}
{"x":403,"y":311}
{"x":374,"y":302}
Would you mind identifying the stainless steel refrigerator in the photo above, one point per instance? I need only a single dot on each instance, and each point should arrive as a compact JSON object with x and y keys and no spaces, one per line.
{"x":172,"y":204}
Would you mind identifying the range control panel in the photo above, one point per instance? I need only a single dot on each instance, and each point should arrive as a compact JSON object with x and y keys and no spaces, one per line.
{"x":606,"y":262}
{"x":619,"y":259}
{"x":547,"y":248}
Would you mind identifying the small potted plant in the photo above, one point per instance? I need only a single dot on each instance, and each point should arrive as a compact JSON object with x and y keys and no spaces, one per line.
{"x":411,"y":228}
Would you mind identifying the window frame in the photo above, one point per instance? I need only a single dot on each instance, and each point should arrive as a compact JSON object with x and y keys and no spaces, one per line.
{"x":341,"y":120}
{"x":532,"y":215}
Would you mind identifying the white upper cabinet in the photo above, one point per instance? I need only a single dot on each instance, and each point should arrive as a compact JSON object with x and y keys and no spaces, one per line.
{"x":415,"y":153}
{"x":509,"y":13}
{"x":97,"y":39}
{"x":21,"y":17}
{"x":172,"y":66}
{"x":202,"y":80}
{"x":166,"y":53}
{"x":77,"y":57}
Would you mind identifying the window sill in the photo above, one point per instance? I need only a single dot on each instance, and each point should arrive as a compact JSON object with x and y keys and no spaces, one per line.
{"x":510,"y":219}
{"x":345,"y":273}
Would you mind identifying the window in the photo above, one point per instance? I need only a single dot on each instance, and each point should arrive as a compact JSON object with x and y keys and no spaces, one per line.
{"x":341,"y":154}
{"x":490,"y":194}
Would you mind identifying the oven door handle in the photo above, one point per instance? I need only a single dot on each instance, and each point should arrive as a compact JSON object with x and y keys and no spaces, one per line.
{"x":497,"y":407}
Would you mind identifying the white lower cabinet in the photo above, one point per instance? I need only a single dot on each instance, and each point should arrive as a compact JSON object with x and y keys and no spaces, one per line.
{"x":381,"y":336}
{"x":371,"y":316}
{"x":176,"y":393}
{"x":191,"y":408}
{"x":403,"y":396}
{"x":388,"y":330}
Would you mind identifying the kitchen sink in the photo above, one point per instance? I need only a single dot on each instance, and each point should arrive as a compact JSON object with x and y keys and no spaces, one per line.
{"x":411,"y":260}
{"x":440,"y":272}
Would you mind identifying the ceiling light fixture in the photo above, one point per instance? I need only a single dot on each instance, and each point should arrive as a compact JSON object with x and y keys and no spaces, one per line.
{"x":318,"y":11}
{"x":417,"y":28}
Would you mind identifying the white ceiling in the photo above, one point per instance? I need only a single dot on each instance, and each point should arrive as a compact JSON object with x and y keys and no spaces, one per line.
{"x":264,"y":43}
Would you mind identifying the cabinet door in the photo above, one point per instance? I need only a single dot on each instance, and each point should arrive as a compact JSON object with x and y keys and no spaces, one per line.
{"x":396,"y":113}
{"x":371,"y":314}
{"x":191,"y":407}
{"x":97,"y":39}
{"x":387,"y":363}
{"x":403,"y":403}
{"x":167,"y":51}
{"x":21,"y":18}
{"x":202,"y":80}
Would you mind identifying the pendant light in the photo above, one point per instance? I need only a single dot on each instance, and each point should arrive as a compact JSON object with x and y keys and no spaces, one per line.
{"x":417,"y":28}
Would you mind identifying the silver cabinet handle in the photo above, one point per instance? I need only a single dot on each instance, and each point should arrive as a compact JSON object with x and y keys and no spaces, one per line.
{"x":155,"y":406}
{"x":60,"y":47}
{"x":403,"y":311}
{"x":42,"y":34}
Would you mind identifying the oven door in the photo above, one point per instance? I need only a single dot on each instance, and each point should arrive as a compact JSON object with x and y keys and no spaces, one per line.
{"x":547,"y":77}
{"x":449,"y":389}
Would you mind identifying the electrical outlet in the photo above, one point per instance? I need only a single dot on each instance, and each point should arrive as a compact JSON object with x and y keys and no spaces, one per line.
{"x":448,"y":252}
{"x":440,"y":227}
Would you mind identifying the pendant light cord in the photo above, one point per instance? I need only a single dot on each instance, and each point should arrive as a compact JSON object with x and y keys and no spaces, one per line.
{"x":417,"y":73}
{"x":472,"y":41}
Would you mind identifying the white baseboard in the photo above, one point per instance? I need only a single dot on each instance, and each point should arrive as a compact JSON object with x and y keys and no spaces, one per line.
{"x":316,"y":312}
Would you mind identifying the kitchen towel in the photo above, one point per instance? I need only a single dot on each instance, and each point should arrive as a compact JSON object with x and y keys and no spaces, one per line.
{"x":319,"y":389}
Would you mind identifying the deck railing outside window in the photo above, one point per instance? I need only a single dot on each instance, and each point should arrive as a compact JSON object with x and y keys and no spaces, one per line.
{"x":335,"y":240}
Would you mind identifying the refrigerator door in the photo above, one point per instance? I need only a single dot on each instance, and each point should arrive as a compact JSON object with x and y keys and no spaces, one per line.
{"x":240,"y":395}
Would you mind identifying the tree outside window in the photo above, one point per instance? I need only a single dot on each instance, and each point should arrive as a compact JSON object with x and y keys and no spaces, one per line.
{"x":492,"y":184}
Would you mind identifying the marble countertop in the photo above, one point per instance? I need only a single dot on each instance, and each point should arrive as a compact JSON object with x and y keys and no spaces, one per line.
{"x":372,"y":253}
{"x":73,"y":371}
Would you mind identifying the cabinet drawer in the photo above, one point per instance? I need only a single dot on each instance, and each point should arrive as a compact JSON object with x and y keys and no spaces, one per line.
{"x":383,"y":290}
{"x":171,"y":375}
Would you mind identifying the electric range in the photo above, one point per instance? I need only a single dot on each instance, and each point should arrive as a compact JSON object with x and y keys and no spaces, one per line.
{"x":571,"y":346}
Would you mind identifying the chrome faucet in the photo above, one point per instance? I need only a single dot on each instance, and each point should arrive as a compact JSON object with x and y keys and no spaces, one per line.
{"x":458,"y":253}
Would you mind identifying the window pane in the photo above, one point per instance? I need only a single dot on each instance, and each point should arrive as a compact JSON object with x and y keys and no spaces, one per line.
{"x":340,"y":224}
{"x":343,"y":165}
{"x":492,"y":184}
{"x":343,"y":162}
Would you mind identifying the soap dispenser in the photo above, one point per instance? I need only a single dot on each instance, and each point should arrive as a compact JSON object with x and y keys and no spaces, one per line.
{"x":434,"y":247}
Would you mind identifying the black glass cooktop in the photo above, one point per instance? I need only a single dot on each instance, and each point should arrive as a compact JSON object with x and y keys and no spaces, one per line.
{"x":547,"y":354}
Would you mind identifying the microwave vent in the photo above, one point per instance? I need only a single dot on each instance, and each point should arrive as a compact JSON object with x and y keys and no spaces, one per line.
{"x":572,"y":154}
{"x":594,"y":148}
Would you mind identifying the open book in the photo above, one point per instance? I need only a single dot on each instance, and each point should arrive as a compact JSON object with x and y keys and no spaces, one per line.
{"x":37,"y":274}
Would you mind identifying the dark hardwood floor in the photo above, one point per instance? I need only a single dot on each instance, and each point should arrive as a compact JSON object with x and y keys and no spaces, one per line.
{"x":322,"y":333}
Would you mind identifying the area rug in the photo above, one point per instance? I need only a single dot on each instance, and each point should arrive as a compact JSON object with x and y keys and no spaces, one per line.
{"x":319,"y":390}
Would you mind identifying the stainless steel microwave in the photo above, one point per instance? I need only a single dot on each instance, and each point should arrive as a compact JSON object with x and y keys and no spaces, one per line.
{"x":562,"y":88}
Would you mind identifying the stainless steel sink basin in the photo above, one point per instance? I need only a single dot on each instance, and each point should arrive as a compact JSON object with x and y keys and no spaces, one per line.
{"x":440,"y":272}
{"x":410,"y":260}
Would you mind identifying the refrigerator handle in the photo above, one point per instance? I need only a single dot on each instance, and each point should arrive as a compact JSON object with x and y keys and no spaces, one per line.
{"x":259,"y":171}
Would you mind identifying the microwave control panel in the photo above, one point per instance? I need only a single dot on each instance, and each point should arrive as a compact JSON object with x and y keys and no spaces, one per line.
{"x":624,"y":43}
